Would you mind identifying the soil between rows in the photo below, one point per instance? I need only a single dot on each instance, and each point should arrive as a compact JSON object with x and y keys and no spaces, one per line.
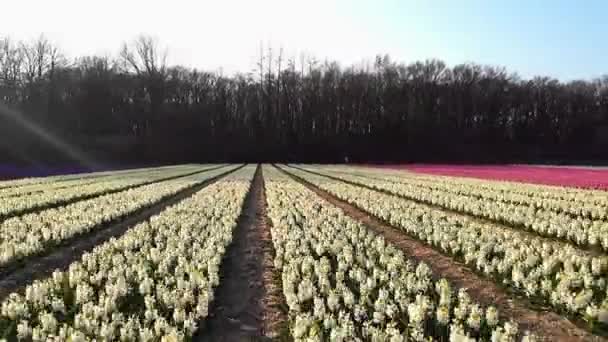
{"x":545,"y":324}
{"x":247,"y":301}
{"x":16,"y":278}
{"x":276,"y":320}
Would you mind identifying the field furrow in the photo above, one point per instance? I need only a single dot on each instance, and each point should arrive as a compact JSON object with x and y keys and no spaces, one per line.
{"x":243,"y":309}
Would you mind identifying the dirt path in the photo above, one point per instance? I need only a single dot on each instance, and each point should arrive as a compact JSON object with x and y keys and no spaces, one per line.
{"x":275,"y":318}
{"x":17,"y":277}
{"x":247,"y":301}
{"x":549,"y":325}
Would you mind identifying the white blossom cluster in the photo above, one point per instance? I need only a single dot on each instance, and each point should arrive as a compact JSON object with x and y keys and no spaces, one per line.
{"x":561,"y":275}
{"x":26,"y":235}
{"x":14,"y":205}
{"x":61,"y":182}
{"x":155,"y":283}
{"x":344,"y":283}
{"x":581,"y":222}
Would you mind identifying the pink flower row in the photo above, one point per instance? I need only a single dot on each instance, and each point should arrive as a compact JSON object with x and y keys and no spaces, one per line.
{"x":580,"y":177}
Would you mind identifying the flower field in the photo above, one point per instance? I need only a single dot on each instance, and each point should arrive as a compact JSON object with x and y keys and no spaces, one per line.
{"x":158,"y":279}
{"x":341,"y":281}
{"x":560,"y":176}
{"x":485,"y":260}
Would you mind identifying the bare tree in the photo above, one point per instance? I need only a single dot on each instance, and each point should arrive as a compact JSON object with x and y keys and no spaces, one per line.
{"x":278,"y":95}
{"x":260,"y":66}
{"x":144,"y":56}
{"x":40,"y":56}
{"x":56,"y":60}
{"x":11,"y":59}
{"x":148,"y":60}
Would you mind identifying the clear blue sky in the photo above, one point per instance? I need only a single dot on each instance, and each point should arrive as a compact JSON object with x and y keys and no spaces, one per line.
{"x":563,"y":39}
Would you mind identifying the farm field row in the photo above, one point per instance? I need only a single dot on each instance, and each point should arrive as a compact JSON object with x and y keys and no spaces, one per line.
{"x":240,"y":252}
{"x":156,"y":280}
{"x":340,"y":280}
{"x":537,"y":266}
{"x":16,"y":205}
{"x":80,"y":180}
{"x":27,"y":235}
{"x":577,"y":216}
{"x":32,"y":181}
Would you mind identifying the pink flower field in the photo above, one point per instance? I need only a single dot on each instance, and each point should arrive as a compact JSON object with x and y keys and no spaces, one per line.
{"x":579,"y":177}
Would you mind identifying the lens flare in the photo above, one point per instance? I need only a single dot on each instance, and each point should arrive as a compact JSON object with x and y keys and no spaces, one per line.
{"x":54,"y":141}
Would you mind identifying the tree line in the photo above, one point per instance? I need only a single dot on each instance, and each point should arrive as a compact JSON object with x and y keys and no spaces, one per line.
{"x":134,"y":108}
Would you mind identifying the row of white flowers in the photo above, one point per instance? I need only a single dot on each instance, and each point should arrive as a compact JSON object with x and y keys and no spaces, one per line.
{"x":556,"y":273}
{"x":154,"y":283}
{"x":14,"y":205}
{"x":63,"y":182}
{"x":29,"y":234}
{"x":32,"y":181}
{"x":586,"y":202}
{"x":546,"y":217}
{"x":344,"y":283}
{"x":535,"y":191}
